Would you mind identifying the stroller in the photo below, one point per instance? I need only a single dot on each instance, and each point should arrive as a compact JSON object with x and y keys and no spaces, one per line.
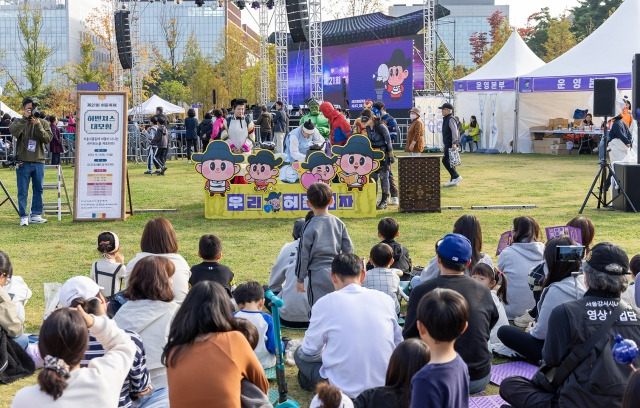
{"x":282,"y":400}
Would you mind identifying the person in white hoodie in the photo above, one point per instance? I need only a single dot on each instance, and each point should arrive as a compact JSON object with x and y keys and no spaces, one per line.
{"x":62,"y":383}
{"x":516,"y":260}
{"x":559,"y":287}
{"x":150,"y":310}
{"x":159,"y":238}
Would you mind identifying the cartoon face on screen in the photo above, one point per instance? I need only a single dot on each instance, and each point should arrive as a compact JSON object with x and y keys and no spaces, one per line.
{"x":319,"y":168}
{"x":398,"y":72}
{"x":218,"y":165}
{"x":262,"y":169}
{"x":356,"y":160}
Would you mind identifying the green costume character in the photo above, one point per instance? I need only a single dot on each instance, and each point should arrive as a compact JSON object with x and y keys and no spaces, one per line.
{"x":318,"y":119}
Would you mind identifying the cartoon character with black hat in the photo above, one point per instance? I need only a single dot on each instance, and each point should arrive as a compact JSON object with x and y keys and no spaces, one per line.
{"x":398,"y":72}
{"x":273,"y":202}
{"x":218,"y":165}
{"x":357,"y":160}
{"x":262,"y":169}
{"x":320,"y":168}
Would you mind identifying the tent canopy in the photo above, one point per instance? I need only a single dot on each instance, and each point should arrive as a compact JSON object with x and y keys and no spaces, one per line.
{"x":8,"y":110}
{"x":149,"y":106}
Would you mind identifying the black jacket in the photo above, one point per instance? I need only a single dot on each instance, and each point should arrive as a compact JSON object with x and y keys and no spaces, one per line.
{"x":447,"y":136}
{"x":205,"y":128}
{"x":598,"y":381}
{"x":401,"y":259}
{"x":191,"y":128}
{"x":483,"y":315}
{"x":281,"y":121}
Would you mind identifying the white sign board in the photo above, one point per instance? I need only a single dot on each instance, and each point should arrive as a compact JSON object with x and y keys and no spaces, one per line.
{"x":101,"y":158}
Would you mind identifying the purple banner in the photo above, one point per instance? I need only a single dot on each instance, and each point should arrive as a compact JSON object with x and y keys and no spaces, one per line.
{"x":485,"y":85}
{"x":383,"y":73}
{"x":90,"y":86}
{"x":569,"y":83}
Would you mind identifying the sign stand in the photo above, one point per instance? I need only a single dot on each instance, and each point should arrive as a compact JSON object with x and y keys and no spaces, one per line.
{"x":8,"y":198}
{"x":130,"y":212}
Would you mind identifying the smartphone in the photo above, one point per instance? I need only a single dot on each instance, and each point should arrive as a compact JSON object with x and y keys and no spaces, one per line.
{"x":569,"y":253}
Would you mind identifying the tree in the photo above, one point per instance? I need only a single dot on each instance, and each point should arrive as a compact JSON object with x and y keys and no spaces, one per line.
{"x":590,"y":14}
{"x":536,"y":34}
{"x":560,"y":40}
{"x":172,"y":31}
{"x":479,"y":43}
{"x":82,"y":72}
{"x":443,"y":68}
{"x":496,"y":21}
{"x":352,"y":8}
{"x":500,"y":36}
{"x":99,"y":25}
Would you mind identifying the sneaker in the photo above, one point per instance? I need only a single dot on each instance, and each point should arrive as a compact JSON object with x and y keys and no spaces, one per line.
{"x":36,"y":219}
{"x":505,"y":351}
{"x":164,"y":168}
{"x":450,"y":184}
{"x":394,"y":201}
{"x":524,"y":320}
{"x":148,"y":172}
{"x":24,"y":221}
{"x":188,"y":161}
{"x":382,"y":205}
{"x":456,"y":180}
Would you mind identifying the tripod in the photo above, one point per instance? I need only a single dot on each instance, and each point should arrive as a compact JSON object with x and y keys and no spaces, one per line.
{"x":602,"y":176}
{"x":8,"y":198}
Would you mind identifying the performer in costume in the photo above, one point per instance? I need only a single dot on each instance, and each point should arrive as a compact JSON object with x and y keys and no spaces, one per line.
{"x":317,"y":118}
{"x":340,"y":129}
{"x":238,"y":130}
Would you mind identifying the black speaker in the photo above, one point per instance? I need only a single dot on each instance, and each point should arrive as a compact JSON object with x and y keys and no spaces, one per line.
{"x":604,"y":97}
{"x":635,"y":87}
{"x":123,"y":38}
{"x":298,"y":19}
{"x":213,"y":97}
{"x":629,"y":176}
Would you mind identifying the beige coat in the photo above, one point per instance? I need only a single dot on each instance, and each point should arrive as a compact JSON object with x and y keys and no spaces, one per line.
{"x":416,"y":133}
{"x":9,"y":319}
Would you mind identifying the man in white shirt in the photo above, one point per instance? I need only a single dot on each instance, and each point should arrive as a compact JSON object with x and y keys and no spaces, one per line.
{"x":351,"y":335}
{"x":300,"y":140}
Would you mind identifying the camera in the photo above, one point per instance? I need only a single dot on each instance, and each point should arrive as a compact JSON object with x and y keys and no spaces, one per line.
{"x":35,"y":113}
{"x":569,"y":253}
{"x":11,"y":162}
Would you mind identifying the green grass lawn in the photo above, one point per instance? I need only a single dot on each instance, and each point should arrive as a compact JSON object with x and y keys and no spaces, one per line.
{"x":58,"y":250}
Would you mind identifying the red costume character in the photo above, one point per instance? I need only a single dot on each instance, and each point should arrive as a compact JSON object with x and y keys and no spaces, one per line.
{"x":340,"y":129}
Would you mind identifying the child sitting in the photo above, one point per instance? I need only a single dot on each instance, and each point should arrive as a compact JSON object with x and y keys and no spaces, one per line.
{"x":250,"y":394}
{"x":109,"y":272}
{"x":323,"y":238}
{"x":250,"y":299}
{"x":381,"y":277}
{"x":388,"y":230}
{"x":493,"y":278}
{"x":444,"y":381}
{"x":329,"y":396}
{"x":210,"y":250}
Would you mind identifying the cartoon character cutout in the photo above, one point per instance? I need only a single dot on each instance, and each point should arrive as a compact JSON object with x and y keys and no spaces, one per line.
{"x":398,"y":72}
{"x":273,"y":202}
{"x":262,"y":170}
{"x":320,"y":168}
{"x":218,"y":165}
{"x":357,"y":160}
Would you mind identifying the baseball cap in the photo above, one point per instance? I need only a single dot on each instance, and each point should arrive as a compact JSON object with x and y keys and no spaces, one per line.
{"x":78,"y":287}
{"x":446,"y":105}
{"x":455,"y":248}
{"x":608,"y":258}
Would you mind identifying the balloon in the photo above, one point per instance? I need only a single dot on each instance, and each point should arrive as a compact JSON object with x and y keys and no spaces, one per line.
{"x":624,"y":351}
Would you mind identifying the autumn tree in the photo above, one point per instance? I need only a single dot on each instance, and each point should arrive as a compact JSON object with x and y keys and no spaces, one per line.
{"x":444,"y":76}
{"x":590,"y":14}
{"x":479,"y":43}
{"x":560,"y":40}
{"x":535,"y":34}
{"x":83,"y":72}
{"x":500,"y":36}
{"x":99,"y":25}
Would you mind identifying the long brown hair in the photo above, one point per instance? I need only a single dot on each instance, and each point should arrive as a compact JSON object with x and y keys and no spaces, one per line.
{"x":151,"y":279}
{"x":525,"y":229}
{"x":159,"y":237}
{"x":469,"y":226}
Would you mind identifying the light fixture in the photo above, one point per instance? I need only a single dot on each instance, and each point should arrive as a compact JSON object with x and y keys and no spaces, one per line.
{"x":240,"y":4}
{"x":270,"y":5}
{"x":255,"y":5}
{"x":199,"y":3}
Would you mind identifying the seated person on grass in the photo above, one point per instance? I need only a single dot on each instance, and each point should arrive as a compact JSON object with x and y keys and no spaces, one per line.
{"x":352,"y":333}
{"x":381,"y":277}
{"x":210,"y":250}
{"x":250,"y":299}
{"x":454,"y":256}
{"x":388,"y":230}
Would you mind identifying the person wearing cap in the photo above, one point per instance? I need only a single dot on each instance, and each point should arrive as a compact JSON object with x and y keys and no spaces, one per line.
{"x":378,"y":135}
{"x":450,"y":138}
{"x":84,"y":292}
{"x":295,"y":312}
{"x":598,"y":380}
{"x":454,"y":256}
{"x":415,"y":136}
{"x":299,"y":140}
{"x":31,"y":135}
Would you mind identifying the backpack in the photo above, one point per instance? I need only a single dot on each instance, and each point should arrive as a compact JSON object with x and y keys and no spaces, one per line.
{"x":377,"y":139}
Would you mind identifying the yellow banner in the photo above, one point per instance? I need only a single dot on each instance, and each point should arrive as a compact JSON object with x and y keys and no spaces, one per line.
{"x":283,"y":200}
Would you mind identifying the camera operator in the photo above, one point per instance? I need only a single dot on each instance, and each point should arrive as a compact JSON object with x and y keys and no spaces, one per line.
{"x":32,"y":133}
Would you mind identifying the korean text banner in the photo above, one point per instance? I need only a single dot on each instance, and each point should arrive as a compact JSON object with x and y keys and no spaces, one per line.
{"x":382,"y":72}
{"x":569,"y":83}
{"x":485,"y":85}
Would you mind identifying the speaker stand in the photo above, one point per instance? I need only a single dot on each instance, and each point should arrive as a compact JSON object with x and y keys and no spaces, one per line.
{"x":8,"y":198}
{"x":601,"y":175}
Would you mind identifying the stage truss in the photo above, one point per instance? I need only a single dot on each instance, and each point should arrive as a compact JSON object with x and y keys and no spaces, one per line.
{"x":315,"y":48}
{"x":282,"y":60}
{"x":265,"y":88}
{"x":429,"y":40}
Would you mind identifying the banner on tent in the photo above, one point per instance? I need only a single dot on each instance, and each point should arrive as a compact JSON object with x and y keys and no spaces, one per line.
{"x":569,"y":83}
{"x":485,"y":85}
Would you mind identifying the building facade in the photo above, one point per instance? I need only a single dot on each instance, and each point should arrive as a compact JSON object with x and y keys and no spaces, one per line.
{"x":467,"y":17}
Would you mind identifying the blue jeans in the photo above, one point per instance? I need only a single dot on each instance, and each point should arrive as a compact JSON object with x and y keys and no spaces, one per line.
{"x":33,"y":172}
{"x":476,"y":386}
{"x":22,"y":340}
{"x":157,"y":399}
{"x":465,"y":140}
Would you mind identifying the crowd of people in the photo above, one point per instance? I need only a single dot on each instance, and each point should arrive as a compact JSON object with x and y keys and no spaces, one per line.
{"x":183,"y":335}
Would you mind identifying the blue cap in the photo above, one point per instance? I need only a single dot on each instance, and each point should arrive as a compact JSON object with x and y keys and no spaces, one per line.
{"x":455,"y":248}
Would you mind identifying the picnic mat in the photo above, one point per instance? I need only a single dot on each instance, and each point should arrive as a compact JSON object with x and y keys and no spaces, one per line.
{"x":270,"y":373}
{"x":522,"y":368}
{"x":491,"y":401}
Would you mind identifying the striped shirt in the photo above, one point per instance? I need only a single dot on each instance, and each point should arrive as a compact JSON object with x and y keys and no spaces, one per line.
{"x":138,"y":379}
{"x":386,"y":281}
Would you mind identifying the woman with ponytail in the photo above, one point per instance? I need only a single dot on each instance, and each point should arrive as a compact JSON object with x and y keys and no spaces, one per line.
{"x":62,"y":383}
{"x":110,"y":270}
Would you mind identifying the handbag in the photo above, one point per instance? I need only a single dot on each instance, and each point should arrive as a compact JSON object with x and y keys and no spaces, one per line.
{"x":454,"y":158}
{"x":550,"y":379}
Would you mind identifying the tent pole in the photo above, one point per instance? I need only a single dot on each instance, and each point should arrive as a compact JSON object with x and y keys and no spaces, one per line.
{"x":515,"y":120}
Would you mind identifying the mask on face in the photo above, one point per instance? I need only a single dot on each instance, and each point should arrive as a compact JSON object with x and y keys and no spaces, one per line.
{"x":413,"y":116}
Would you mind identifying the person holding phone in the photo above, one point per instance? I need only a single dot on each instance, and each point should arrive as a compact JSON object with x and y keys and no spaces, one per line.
{"x":31,"y":134}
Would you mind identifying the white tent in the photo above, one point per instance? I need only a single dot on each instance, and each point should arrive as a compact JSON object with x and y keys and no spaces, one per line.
{"x":8,"y":110}
{"x":490,"y":93}
{"x":149,"y":107}
{"x":566,"y":83}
